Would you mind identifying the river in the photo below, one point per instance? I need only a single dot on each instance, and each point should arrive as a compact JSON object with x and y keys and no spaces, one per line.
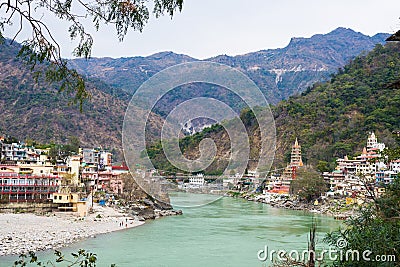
{"x":227,"y":232}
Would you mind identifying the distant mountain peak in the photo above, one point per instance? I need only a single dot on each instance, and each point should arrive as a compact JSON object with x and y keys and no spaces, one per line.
{"x":162,"y":54}
{"x":168,"y":54}
{"x":342,"y":30}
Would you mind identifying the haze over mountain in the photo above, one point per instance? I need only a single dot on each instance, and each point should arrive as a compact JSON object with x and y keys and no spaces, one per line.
{"x":279,"y":73}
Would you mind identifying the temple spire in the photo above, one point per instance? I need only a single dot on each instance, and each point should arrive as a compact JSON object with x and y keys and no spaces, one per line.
{"x":296,"y":143}
{"x":295,"y":157}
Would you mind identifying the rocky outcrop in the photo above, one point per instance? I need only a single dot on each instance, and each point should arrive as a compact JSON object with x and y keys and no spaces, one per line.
{"x":148,"y":209}
{"x":334,"y":207}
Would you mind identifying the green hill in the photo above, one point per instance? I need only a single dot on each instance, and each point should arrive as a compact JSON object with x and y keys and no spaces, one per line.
{"x":39,"y":112}
{"x":330,"y":119}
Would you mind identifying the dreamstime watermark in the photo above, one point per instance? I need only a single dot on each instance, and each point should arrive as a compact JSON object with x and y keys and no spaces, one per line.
{"x":139,"y":120}
{"x":330,"y":254}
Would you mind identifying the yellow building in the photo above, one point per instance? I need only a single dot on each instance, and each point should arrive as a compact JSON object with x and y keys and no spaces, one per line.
{"x":36,"y":169}
{"x":74,"y":163}
{"x":68,"y":201}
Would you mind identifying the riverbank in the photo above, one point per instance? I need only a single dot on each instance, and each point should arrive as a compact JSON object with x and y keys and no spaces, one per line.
{"x":21,"y":233}
{"x":227,"y":232}
{"x":338,"y":208}
{"x":24,"y":232}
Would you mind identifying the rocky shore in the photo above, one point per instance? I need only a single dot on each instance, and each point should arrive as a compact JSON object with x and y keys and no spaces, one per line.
{"x":147,"y":209}
{"x":21,"y":233}
{"x":332,"y":207}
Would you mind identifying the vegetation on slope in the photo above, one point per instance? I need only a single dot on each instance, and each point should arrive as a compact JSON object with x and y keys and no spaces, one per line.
{"x":332,"y":119}
{"x":279,"y":73}
{"x":38,"y":111}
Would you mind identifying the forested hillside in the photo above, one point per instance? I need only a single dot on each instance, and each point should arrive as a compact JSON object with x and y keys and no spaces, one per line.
{"x":331,"y":119}
{"x":37,"y":111}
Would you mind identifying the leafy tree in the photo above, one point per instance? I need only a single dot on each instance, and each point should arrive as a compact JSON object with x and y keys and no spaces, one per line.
{"x":42,"y":47}
{"x":59,"y":152}
{"x":390,"y":154}
{"x":81,"y":258}
{"x":308,"y":185}
{"x":67,"y":178}
{"x":376,"y":228}
{"x":10,"y":140}
{"x":30,"y":142}
{"x":323,"y":166}
{"x":73,"y":145}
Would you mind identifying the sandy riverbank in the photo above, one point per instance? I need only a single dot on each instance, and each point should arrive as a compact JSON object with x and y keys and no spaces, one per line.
{"x":20,"y":233}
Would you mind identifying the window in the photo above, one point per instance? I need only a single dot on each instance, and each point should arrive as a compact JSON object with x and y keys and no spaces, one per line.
{"x":59,"y":197}
{"x":55,"y":197}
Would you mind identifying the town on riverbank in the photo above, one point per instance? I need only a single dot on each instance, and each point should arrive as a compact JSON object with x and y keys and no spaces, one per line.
{"x":354,"y":182}
{"x":80,"y":193}
{"x":71,"y":192}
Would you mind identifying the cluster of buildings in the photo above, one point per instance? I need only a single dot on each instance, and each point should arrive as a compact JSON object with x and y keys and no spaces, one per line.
{"x":28,"y":174}
{"x":362,"y":175}
{"x":351,"y":177}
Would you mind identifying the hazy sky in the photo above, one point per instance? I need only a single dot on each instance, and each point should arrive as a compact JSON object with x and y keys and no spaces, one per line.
{"x":207,"y":28}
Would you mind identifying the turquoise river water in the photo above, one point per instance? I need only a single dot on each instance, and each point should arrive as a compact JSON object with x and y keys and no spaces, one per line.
{"x":227,"y":232}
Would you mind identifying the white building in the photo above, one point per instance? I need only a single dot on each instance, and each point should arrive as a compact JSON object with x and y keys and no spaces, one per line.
{"x":197,"y":180}
{"x":395,"y":166}
{"x":372,"y":143}
{"x":105,"y":159}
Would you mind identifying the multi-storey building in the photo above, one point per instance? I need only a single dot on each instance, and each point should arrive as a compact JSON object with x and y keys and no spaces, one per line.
{"x":90,"y":156}
{"x":395,"y":166}
{"x":92,"y":167}
{"x":15,"y":187}
{"x":295,"y":155}
{"x":353,"y":175}
{"x":197,"y":180}
{"x":105,"y":160}
{"x":385,"y":177}
{"x":13,"y":152}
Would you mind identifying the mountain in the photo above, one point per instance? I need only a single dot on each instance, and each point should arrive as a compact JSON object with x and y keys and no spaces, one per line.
{"x":333,"y":119}
{"x":39,"y":112}
{"x":330,"y":119}
{"x":127,"y":73}
{"x":279,"y":73}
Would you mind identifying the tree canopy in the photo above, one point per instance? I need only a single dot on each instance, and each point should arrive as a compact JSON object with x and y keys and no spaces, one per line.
{"x":376,"y":229}
{"x":42,"y":47}
{"x":309,"y":184}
